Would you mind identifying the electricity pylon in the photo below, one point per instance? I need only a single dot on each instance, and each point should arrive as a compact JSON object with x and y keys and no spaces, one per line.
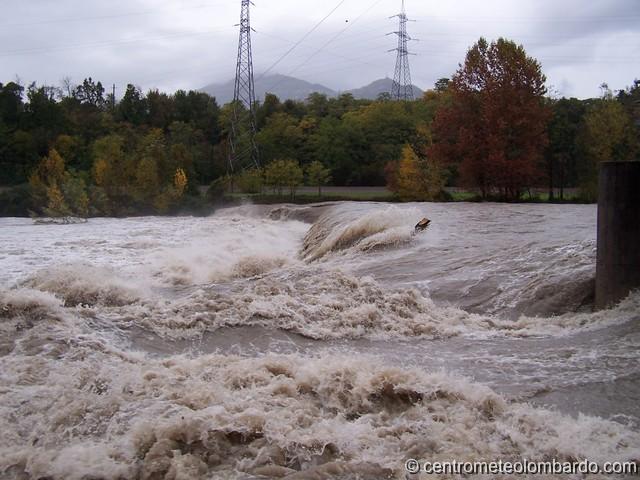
{"x":402,"y":88}
{"x":243,"y":151}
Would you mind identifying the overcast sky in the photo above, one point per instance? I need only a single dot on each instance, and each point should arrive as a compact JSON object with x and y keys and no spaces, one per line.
{"x":190,"y":43}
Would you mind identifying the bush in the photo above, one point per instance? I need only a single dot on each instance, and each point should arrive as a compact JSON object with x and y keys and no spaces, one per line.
{"x":15,"y":201}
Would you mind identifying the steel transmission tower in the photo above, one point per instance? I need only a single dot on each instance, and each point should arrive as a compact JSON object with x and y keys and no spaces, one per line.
{"x":243,"y":149}
{"x":402,"y":88}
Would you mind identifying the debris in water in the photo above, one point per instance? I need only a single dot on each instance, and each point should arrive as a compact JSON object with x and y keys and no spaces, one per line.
{"x":422,"y":225}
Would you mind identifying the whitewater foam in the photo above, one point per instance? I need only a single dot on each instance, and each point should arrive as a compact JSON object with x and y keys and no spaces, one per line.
{"x":325,"y":303}
{"x":327,"y":417}
{"x":343,"y":229}
{"x":79,"y":305}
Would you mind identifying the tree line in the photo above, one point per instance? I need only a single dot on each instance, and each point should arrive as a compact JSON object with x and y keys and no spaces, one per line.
{"x":491,"y":128}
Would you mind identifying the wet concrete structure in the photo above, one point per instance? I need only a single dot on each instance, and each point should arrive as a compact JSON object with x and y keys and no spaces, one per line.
{"x":618,"y":263}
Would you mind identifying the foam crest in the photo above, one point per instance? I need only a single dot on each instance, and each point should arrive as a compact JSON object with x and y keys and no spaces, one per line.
{"x":83,"y":284}
{"x":27,"y":303}
{"x":323,"y":303}
{"x":343,"y":229}
{"x":230,"y":248}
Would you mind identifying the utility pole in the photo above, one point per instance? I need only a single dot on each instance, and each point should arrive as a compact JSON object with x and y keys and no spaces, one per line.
{"x":402,"y":88}
{"x":243,"y":150}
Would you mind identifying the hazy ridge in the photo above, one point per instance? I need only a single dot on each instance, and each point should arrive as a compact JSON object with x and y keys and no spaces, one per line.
{"x":290,"y":88}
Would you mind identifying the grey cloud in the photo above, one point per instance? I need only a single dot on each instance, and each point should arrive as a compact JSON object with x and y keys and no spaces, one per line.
{"x":190,"y":43}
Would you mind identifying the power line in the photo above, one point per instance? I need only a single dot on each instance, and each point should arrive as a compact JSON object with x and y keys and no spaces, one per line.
{"x":325,"y":45}
{"x":304,"y":37}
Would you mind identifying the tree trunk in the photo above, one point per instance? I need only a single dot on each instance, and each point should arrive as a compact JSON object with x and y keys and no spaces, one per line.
{"x":551,"y":192}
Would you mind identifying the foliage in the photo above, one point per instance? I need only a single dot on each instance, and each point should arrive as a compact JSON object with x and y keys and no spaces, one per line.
{"x":250,"y":181}
{"x":415,"y":178}
{"x":608,"y":135}
{"x":564,"y":154}
{"x":318,"y":175}
{"x":180,"y":182}
{"x":495,"y":126}
{"x":284,"y":173}
{"x":85,"y":152}
{"x":57,"y":192}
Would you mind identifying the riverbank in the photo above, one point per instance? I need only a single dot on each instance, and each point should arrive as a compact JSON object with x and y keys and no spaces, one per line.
{"x":306,"y":195}
{"x":15,"y":201}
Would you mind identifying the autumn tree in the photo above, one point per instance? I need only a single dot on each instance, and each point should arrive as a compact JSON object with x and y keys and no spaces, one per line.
{"x":113,"y":172}
{"x":495,"y":124}
{"x":57,"y":192}
{"x":46,"y":179}
{"x":416,"y":178}
{"x":608,"y":135}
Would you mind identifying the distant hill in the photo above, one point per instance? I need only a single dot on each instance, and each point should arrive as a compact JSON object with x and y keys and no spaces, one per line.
{"x":374,"y":89}
{"x":290,"y":88}
{"x":284,"y":87}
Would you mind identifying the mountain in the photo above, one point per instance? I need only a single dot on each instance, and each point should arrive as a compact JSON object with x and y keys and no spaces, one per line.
{"x":374,"y":89}
{"x":281,"y":85}
{"x":295,"y":89}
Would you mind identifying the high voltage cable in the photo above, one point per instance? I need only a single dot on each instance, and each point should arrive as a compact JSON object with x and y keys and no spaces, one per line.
{"x":330,"y":52}
{"x":304,"y":37}
{"x":326,"y":44}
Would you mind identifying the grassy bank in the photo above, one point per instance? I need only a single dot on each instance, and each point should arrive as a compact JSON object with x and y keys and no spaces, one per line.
{"x":15,"y":201}
{"x":382,"y":194}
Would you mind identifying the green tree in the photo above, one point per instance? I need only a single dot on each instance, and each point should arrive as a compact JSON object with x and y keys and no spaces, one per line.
{"x":630,"y":99}
{"x":250,"y":181}
{"x":563,"y":156}
{"x":112,"y":170}
{"x":284,"y":173}
{"x":11,"y":104}
{"x":318,"y":175}
{"x":281,"y":137}
{"x":90,"y":93}
{"x":160,"y":109}
{"x":74,"y":190}
{"x":133,"y":106}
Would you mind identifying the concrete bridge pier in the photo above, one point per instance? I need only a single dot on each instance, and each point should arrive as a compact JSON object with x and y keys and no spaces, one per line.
{"x":618,"y":264}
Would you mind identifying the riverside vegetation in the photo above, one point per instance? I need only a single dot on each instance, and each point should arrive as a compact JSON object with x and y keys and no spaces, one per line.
{"x":492,"y":130}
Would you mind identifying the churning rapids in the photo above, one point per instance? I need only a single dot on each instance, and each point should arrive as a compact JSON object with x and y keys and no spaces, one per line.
{"x":310,"y":342}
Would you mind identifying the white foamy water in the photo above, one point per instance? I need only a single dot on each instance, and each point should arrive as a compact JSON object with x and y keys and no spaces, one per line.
{"x":310,"y":342}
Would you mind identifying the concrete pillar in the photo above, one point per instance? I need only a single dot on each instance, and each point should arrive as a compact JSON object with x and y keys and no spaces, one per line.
{"x":618,"y":264}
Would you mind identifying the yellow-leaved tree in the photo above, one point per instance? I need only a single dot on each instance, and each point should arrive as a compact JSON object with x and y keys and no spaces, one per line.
{"x":180,"y":182}
{"x":57,"y":192}
{"x":416,"y":178}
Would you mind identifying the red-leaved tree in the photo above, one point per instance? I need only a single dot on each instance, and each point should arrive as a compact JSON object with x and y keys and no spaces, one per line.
{"x":494,"y":127}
